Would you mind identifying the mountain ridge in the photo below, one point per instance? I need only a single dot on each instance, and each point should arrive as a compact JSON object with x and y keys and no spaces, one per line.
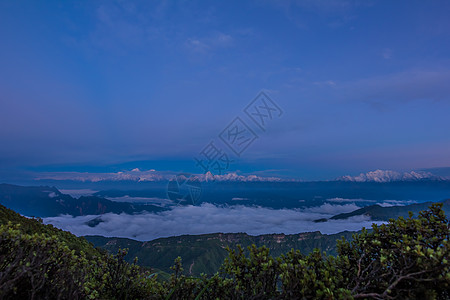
{"x":45,"y":201}
{"x":137,"y":175}
{"x":379,"y":213}
{"x":391,"y":176}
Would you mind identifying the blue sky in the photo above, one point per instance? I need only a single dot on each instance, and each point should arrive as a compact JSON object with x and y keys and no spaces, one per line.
{"x":95,"y":85}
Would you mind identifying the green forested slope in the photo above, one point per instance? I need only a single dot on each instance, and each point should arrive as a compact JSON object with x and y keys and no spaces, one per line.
{"x":39,"y":261}
{"x":35,"y":226}
{"x":205,"y":253}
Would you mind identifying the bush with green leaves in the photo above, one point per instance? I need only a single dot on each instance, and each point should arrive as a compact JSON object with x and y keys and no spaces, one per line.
{"x":253,"y":277}
{"x":36,"y":266}
{"x":313,"y":276}
{"x":113,"y":278}
{"x":403,"y":259}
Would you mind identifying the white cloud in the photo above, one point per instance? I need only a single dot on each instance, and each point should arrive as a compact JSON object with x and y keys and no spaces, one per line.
{"x":384,"y":203}
{"x":387,"y":53}
{"x":196,"y":45}
{"x":388,"y":203}
{"x":332,"y":209}
{"x":343,"y":200}
{"x":215,"y":41}
{"x":329,"y":83}
{"x":222,"y":39}
{"x":209,"y":218}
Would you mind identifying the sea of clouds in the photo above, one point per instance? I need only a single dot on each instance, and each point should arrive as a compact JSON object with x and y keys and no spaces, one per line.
{"x":209,"y":218}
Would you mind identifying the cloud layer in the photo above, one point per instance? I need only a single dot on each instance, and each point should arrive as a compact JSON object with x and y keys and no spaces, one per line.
{"x":209,"y":218}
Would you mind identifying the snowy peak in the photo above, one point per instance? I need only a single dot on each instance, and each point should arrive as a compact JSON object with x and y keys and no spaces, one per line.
{"x":390,"y":176}
{"x":133,"y":175}
{"x":137,"y":175}
{"x":235,"y":177}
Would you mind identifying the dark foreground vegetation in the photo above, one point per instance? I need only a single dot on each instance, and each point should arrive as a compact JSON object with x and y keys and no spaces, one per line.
{"x":404,"y":259}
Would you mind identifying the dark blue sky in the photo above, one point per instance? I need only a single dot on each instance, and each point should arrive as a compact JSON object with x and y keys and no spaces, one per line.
{"x":91,"y":85}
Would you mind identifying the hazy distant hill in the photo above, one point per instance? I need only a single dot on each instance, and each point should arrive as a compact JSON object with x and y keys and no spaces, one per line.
{"x":205,"y":253}
{"x":379,"y":213}
{"x":279,"y":195}
{"x":44,"y":201}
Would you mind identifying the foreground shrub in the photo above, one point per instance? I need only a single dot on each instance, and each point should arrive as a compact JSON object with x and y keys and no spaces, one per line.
{"x":404,"y":259}
{"x":35,"y":266}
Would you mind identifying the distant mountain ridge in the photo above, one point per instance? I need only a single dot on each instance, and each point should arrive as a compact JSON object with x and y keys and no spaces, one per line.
{"x":137,"y":175}
{"x":380,"y":213}
{"x":44,"y":201}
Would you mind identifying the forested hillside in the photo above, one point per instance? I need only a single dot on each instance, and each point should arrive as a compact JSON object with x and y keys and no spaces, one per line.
{"x":205,"y":253}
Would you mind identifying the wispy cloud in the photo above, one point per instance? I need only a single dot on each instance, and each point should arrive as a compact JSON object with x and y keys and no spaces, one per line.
{"x":211,"y":43}
{"x":338,"y":13}
{"x":389,"y":203}
{"x":118,"y":27}
{"x":343,"y":200}
{"x":387,"y":53}
{"x":408,"y":85}
{"x":327,"y":83}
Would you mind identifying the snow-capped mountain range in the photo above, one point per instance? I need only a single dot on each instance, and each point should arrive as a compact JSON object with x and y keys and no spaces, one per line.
{"x":137,"y":175}
{"x":150,"y":175}
{"x":390,"y":176}
{"x":235,"y":177}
